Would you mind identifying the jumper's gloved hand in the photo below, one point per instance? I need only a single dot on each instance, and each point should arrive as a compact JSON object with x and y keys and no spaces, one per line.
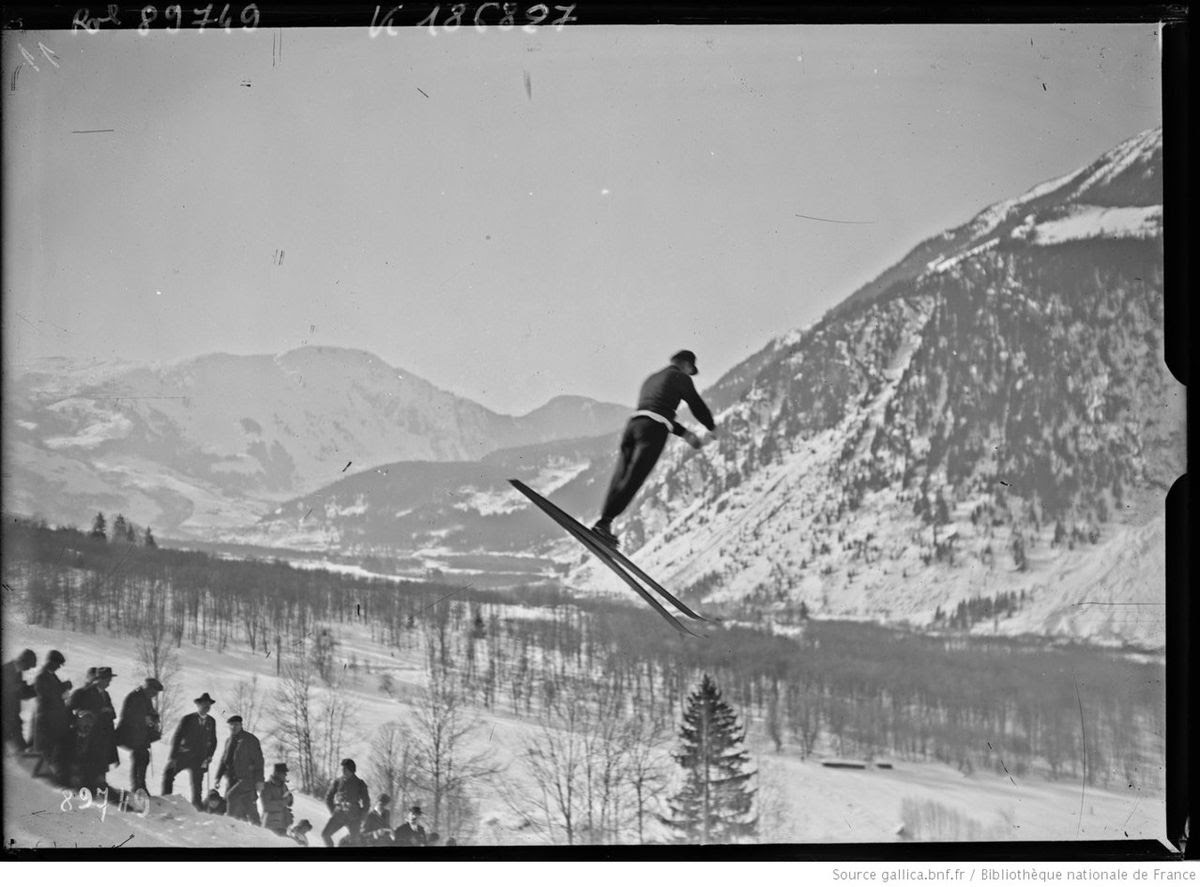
{"x":691,"y":438}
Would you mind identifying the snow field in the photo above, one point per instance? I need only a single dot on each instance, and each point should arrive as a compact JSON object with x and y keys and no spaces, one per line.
{"x":801,"y":801}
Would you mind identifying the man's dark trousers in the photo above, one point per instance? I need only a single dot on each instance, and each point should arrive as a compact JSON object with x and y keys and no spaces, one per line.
{"x":641,"y":445}
{"x":168,"y":783}
{"x":141,"y":760}
{"x":337,"y":821}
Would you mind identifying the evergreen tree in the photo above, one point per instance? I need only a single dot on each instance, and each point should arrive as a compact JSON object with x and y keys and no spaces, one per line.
{"x":713,"y":807}
{"x":131,"y":534}
{"x":99,"y":527}
{"x":120,"y":528}
{"x":148,"y":541}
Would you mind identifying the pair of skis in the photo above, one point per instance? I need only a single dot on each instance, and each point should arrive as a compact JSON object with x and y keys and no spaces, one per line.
{"x":623,"y":567}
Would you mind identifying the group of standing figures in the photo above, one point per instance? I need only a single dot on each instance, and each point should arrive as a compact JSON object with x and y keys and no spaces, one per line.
{"x":76,"y":731}
{"x":76,"y":734}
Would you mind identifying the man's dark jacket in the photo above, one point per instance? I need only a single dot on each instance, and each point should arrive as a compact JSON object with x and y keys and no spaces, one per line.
{"x":51,"y":720}
{"x":242,"y":760}
{"x":348,"y":795}
{"x":662,"y":392}
{"x":195,"y":740}
{"x":137,"y":715}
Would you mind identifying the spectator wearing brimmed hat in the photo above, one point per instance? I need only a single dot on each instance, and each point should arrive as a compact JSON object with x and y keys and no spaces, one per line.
{"x":377,"y":824}
{"x":95,"y":731}
{"x":13,"y":692}
{"x":412,"y":833}
{"x":139,"y":728}
{"x":242,"y":763}
{"x":51,"y":720}
{"x":192,"y":748}
{"x":277,"y":801}
{"x":348,"y":801}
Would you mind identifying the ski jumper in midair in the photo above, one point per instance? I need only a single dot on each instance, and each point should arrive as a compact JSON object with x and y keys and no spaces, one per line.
{"x":646,"y":435}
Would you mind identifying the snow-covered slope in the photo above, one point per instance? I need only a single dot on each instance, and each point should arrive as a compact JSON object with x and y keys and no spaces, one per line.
{"x":800,"y":800}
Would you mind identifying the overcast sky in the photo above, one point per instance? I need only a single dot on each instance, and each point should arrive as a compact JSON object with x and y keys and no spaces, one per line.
{"x":516,"y":216}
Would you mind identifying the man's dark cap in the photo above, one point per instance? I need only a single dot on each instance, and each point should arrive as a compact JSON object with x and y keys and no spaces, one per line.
{"x":281,"y":768}
{"x":689,"y":356}
{"x":104,"y":672}
{"x":56,"y":657}
{"x":416,"y":808}
{"x":303,"y":825}
{"x":236,"y":719}
{"x":385,"y":798}
{"x":154,"y":684}
{"x":205,"y":699}
{"x":350,"y":763}
{"x":27,"y":659}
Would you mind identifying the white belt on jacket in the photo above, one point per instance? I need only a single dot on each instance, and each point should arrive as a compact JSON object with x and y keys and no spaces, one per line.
{"x":656,"y":417}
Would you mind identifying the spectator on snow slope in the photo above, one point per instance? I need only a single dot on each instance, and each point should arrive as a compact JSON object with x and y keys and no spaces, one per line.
{"x":646,"y":435}
{"x":51,"y":720}
{"x":377,"y":824}
{"x":299,"y":832}
{"x":242,"y":763}
{"x":347,"y":801}
{"x":412,"y":833}
{"x":277,"y":801}
{"x":95,"y":744}
{"x":139,"y":728}
{"x":215,"y":804}
{"x":13,"y":692}
{"x":192,"y":748}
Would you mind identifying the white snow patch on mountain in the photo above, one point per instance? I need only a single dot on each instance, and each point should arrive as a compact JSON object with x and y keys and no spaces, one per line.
{"x":488,"y":502}
{"x":1087,"y":222}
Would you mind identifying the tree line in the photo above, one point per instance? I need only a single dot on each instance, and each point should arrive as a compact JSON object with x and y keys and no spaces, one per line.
{"x":828,"y":687}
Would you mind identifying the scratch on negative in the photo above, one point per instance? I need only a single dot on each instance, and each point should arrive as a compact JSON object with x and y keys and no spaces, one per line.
{"x":1083,"y":733}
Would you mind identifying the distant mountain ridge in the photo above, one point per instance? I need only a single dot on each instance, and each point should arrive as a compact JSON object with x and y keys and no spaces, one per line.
{"x":212,"y":440}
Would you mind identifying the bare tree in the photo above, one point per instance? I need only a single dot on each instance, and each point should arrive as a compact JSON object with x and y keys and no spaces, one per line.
{"x":442,"y":769}
{"x":390,"y":760}
{"x":246,"y":699}
{"x":646,"y":764}
{"x":292,"y":712}
{"x":156,"y":650}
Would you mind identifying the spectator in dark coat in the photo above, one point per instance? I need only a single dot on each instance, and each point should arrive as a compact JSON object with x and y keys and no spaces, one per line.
{"x":192,"y":748}
{"x":377,"y":824}
{"x":139,"y":728}
{"x":412,"y":833}
{"x":95,"y":734}
{"x":242,"y":763}
{"x":348,"y":802}
{"x":214,"y":803}
{"x":276,"y":800}
{"x":51,"y":720}
{"x":13,"y":692}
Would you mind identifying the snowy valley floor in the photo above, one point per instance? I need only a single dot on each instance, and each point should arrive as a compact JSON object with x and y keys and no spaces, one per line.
{"x":801,"y":801}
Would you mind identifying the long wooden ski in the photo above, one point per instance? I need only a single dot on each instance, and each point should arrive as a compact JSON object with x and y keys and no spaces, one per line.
{"x":603,"y":553}
{"x":649,"y":580}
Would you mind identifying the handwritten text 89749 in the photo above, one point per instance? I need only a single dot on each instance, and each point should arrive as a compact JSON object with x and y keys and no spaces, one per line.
{"x":173,"y":18}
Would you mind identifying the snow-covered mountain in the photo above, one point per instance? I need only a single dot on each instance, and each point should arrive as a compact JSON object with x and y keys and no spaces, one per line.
{"x":982,"y":437}
{"x":217,"y":440}
{"x":990,"y":420}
